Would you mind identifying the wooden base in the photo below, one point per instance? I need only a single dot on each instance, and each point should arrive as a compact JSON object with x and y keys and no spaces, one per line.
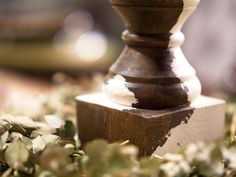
{"x":155,"y":132}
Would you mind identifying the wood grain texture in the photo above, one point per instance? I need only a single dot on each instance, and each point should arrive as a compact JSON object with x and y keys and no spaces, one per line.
{"x":150,"y":130}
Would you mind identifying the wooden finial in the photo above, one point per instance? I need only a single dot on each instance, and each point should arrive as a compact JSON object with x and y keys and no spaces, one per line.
{"x":152,"y":71}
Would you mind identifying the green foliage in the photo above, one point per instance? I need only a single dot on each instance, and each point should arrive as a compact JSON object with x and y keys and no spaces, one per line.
{"x":46,"y":145}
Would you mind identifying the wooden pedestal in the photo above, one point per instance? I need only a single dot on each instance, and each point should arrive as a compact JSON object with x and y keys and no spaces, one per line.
{"x":155,"y":132}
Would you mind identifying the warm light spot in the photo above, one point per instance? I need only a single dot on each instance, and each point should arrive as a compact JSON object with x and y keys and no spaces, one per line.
{"x":78,"y":23}
{"x":91,"y":46}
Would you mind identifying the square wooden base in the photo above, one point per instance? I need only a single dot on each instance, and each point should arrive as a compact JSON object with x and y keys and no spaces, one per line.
{"x":155,"y":132}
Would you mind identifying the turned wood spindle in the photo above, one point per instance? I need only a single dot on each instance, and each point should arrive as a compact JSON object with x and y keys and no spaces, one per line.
{"x":152,"y":71}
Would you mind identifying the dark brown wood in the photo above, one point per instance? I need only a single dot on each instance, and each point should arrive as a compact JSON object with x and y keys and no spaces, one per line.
{"x":144,"y":128}
{"x":148,"y":62}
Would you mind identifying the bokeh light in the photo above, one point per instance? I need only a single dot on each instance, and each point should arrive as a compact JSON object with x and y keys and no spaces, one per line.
{"x":91,"y":46}
{"x":78,"y":23}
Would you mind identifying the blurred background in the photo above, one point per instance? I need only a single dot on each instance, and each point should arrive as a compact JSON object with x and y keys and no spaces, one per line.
{"x":210,"y":45}
{"x":57,"y":35}
{"x":81,"y":37}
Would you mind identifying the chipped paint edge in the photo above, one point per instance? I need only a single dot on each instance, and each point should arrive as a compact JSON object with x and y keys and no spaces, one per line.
{"x":188,"y":8}
{"x":117,"y":91}
{"x":190,"y":132}
{"x":187,"y":76}
{"x":190,"y":82}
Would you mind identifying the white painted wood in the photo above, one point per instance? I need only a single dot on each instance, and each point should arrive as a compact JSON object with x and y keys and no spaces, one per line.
{"x":189,"y":7}
{"x":181,"y":67}
{"x":186,"y":73}
{"x":205,"y":125}
{"x":103,"y":100}
{"x":117,"y":91}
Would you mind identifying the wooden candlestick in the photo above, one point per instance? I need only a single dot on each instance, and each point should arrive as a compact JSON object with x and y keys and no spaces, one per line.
{"x":151,"y":95}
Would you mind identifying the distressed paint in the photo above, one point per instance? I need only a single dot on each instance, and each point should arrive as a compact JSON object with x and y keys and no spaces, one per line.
{"x":154,"y":71}
{"x":158,"y":131}
{"x":188,"y":7}
{"x":197,"y":127}
{"x":159,"y":138}
{"x":187,"y":76}
{"x":116,"y":89}
{"x":183,"y":119}
{"x":190,"y":83}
